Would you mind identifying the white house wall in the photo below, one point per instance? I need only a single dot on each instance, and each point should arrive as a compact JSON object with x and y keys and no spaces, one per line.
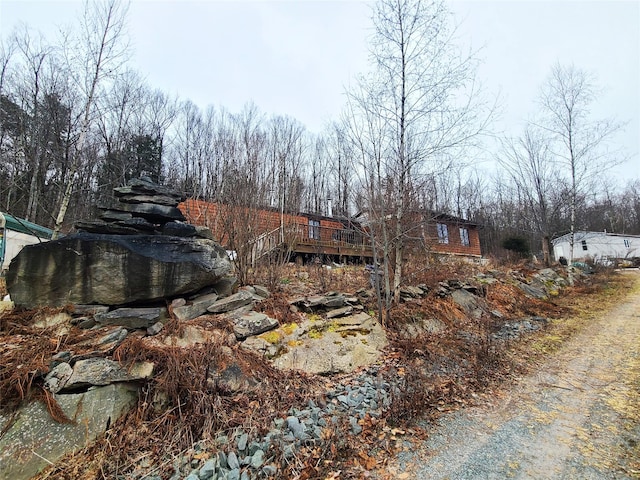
{"x":15,"y":242}
{"x":599,"y":245}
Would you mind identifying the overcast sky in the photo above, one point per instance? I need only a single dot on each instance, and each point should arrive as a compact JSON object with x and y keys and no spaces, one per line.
{"x":297,"y":57}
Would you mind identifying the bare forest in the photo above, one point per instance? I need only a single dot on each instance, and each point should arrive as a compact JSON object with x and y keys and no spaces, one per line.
{"x":77,"y":120}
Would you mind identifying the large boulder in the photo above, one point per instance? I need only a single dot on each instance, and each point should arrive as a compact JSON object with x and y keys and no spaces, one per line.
{"x":32,"y":440}
{"x":86,"y":268}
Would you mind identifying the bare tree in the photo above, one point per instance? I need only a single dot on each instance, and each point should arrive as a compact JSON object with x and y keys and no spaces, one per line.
{"x":97,"y":54}
{"x":529,"y":163}
{"x":423,"y":88}
{"x":580,"y":143}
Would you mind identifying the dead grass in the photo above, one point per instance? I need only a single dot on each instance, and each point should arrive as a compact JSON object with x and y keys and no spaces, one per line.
{"x":187,"y":401}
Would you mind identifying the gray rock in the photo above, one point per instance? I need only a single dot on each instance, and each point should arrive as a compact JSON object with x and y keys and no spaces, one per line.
{"x":116,"y":336}
{"x":109,"y":215}
{"x":257,"y":459}
{"x":232,"y":460}
{"x":231,"y":378}
{"x":152,"y":212}
{"x":57,"y":378}
{"x":355,"y":427}
{"x":231,"y":302}
{"x":225,"y":286}
{"x":251,"y":324}
{"x":242,"y":441}
{"x":133,"y":317}
{"x":340,"y":312}
{"x":155,"y":329}
{"x":208,"y":469}
{"x":468,"y":302}
{"x":35,"y":439}
{"x":89,"y":309}
{"x":197,"y":307}
{"x":88,"y":268}
{"x":178,"y":229}
{"x":411,"y":292}
{"x":531,"y":290}
{"x":87,"y":323}
{"x":102,"y":371}
{"x":204,"y":232}
{"x":269,"y":470}
{"x":262,"y":291}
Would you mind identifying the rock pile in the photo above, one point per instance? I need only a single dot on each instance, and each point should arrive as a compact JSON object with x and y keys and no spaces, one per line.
{"x":334,"y":335}
{"x":238,"y":456}
{"x":137,"y":252}
{"x":143,"y":208}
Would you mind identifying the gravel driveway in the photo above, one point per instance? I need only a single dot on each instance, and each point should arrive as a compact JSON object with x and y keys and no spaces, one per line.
{"x":576,"y":417}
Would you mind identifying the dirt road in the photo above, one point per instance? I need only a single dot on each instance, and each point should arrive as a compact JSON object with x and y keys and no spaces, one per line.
{"x":577,"y":417}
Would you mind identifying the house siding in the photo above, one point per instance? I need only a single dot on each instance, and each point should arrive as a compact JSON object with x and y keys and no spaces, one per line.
{"x":221,"y":218}
{"x":598,"y":245}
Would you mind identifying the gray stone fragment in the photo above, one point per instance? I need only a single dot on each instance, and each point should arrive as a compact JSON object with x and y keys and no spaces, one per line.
{"x":262,"y":291}
{"x":115,"y":336}
{"x":257,"y":459}
{"x":89,"y":309}
{"x":197,"y":307}
{"x":208,"y":469}
{"x":133,"y":317}
{"x":87,"y":323}
{"x":242,"y":441}
{"x":231,"y":302}
{"x":468,"y":302}
{"x":178,"y":229}
{"x":533,"y":291}
{"x":155,"y":329}
{"x":57,"y":378}
{"x":225,"y":286}
{"x":340,"y":312}
{"x":355,"y":427}
{"x":35,"y":439}
{"x":102,"y":371}
{"x":152,"y":212}
{"x":232,"y":460}
{"x":251,"y":324}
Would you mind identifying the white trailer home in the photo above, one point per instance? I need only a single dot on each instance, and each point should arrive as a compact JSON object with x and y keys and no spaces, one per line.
{"x":597,"y":246}
{"x":15,"y":233}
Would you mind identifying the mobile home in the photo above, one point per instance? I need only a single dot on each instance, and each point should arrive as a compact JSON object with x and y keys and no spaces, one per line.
{"x":15,"y":233}
{"x":597,"y":246}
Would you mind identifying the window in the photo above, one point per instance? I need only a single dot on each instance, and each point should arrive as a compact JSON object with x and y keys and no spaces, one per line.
{"x":627,"y":244}
{"x":443,"y":233}
{"x":314,"y":229}
{"x":584,"y":245}
{"x":464,"y":237}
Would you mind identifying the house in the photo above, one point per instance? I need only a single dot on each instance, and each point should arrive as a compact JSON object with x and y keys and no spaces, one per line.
{"x":308,"y":235}
{"x":15,"y":233}
{"x":597,"y":246}
{"x":446,"y":234}
{"x":264,"y":230}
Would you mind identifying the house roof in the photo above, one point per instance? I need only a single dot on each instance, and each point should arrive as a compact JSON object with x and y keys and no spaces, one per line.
{"x":24,"y":226}
{"x":581,"y":235}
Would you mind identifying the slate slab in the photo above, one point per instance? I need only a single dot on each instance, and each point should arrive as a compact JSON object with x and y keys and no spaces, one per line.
{"x":34,"y":439}
{"x":143,"y":317}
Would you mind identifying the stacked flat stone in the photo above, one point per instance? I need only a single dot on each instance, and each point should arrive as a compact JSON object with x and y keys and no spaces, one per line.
{"x":143,"y":208}
{"x":138,"y":252}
